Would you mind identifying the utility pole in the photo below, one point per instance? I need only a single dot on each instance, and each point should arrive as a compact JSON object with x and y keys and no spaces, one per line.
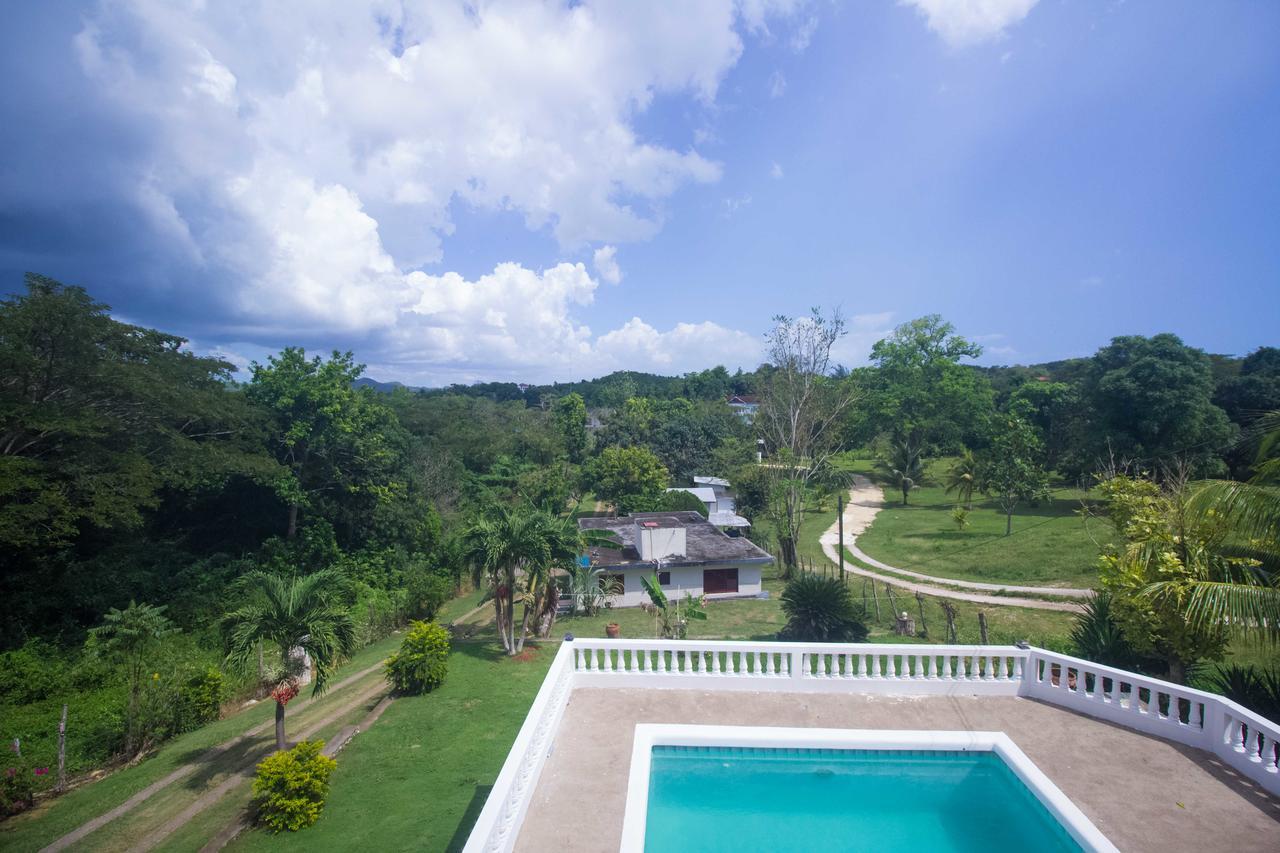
{"x":840,"y":525}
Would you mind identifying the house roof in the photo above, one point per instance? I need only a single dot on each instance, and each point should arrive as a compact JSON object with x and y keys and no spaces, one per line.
{"x":705,"y":544}
{"x":705,"y":494}
{"x":712,"y":481}
{"x":744,"y":399}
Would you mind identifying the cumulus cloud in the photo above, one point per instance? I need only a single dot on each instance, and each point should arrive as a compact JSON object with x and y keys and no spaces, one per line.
{"x":964,"y":22}
{"x":777,"y":85}
{"x":687,"y":346}
{"x":307,"y":161}
{"x":605,"y":262}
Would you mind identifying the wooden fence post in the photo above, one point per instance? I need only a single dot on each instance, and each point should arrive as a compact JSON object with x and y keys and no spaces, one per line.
{"x":62,"y":752}
{"x":982,"y":627}
{"x":924,"y":626}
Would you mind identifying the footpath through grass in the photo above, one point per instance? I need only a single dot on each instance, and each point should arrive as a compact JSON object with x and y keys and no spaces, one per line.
{"x":1051,"y":544}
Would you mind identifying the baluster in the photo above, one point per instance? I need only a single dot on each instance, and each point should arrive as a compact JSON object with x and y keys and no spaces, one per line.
{"x":1018,"y":669}
{"x":577,"y":658}
{"x":862,"y":665}
{"x":847,"y":664}
{"x":715,"y":663}
{"x":1235,"y":733}
{"x":928,"y":666}
{"x":1001,"y":674}
{"x":1258,"y":747}
{"x":768,"y":663}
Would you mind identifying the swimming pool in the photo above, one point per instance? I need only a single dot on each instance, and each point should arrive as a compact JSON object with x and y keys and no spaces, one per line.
{"x":715,"y":788}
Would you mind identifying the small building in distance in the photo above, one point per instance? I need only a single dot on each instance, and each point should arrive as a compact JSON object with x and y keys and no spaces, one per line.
{"x":746,"y":406}
{"x":688,"y":553}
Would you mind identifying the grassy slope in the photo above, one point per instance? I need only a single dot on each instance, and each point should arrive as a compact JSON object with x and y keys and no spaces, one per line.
{"x":418,"y":779}
{"x":1050,"y":544}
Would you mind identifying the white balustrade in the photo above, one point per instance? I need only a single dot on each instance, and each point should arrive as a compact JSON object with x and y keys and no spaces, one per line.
{"x":1243,"y":740}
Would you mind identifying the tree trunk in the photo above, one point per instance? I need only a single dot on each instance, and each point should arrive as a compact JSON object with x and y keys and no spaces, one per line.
{"x":905,"y":488}
{"x":293,"y":521}
{"x":1177,"y":671}
{"x":1008,"y":521}
{"x":524,"y":629}
{"x":787,"y":546}
{"x":62,"y":752}
{"x":281,"y":746}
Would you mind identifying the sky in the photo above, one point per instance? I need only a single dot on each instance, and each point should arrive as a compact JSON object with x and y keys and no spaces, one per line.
{"x":535,"y":191}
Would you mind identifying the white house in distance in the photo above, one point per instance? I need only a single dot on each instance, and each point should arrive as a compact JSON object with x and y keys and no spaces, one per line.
{"x":746,"y":406}
{"x":688,"y":553}
{"x":714,"y":494}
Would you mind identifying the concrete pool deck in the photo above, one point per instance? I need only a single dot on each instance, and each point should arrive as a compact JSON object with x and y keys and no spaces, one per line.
{"x":1142,"y":792}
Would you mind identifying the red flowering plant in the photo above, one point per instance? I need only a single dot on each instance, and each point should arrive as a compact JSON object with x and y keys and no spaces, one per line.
{"x":285,"y":691}
{"x":17,"y":783}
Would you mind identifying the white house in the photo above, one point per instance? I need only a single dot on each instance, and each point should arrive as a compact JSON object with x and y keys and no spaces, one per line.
{"x":746,"y":405}
{"x":688,"y":553}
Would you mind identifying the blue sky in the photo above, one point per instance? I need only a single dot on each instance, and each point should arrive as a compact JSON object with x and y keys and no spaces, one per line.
{"x":538,"y":191}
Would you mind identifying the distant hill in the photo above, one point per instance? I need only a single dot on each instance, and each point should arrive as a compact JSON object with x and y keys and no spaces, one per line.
{"x":384,"y":387}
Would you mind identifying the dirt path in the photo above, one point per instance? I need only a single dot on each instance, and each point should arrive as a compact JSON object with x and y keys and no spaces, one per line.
{"x":245,"y":773}
{"x":866,"y":500}
{"x":186,"y":770}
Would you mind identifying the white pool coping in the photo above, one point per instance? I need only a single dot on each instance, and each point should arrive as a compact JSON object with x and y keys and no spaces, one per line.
{"x":648,"y":736}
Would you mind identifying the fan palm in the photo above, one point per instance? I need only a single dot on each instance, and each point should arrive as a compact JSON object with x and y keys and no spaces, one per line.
{"x":963,"y":477}
{"x":292,"y":614}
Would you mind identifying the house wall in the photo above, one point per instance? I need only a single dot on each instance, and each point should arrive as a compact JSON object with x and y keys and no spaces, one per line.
{"x":684,"y":579}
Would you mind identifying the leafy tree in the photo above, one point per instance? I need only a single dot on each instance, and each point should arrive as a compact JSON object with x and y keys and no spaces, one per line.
{"x":1151,"y":575}
{"x":291,"y":614}
{"x":904,"y":464}
{"x":820,"y":610}
{"x":1096,"y":636}
{"x":799,"y":416}
{"x":1150,"y":403}
{"x":97,"y":417}
{"x":919,"y":392}
{"x":571,"y":419}
{"x":628,"y":477}
{"x":132,"y":636}
{"x":330,"y":437}
{"x":681,"y":501}
{"x":1053,"y":408}
{"x":1011,"y":470}
{"x":963,"y":477}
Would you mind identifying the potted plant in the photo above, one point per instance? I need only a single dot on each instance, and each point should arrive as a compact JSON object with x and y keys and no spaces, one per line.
{"x":613,"y":630}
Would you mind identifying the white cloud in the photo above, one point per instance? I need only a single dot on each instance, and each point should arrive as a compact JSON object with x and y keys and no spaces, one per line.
{"x":309,"y":157}
{"x":775,"y":171}
{"x":965,"y":22}
{"x":687,"y":346}
{"x":803,"y":34}
{"x":777,"y":85}
{"x":605,"y":261}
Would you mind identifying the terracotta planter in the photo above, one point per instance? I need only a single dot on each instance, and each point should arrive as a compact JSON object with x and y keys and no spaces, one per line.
{"x":613,"y":631}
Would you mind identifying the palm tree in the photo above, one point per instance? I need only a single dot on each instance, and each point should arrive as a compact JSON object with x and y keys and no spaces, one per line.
{"x":1241,"y":589}
{"x":905,"y":464}
{"x":292,"y":613}
{"x":518,"y":550}
{"x":963,"y":477}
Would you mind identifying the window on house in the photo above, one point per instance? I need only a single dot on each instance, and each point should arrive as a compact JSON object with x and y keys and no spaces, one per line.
{"x":719,"y":580}
{"x":664,"y":578}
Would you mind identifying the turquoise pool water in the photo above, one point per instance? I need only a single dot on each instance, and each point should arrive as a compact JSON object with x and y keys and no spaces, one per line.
{"x":747,"y":799}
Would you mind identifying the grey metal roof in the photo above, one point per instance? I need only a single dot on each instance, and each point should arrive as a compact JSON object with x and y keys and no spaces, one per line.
{"x":712,"y":481}
{"x":705,"y":544}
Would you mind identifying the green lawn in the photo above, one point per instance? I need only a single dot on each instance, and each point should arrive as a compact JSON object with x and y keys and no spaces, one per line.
{"x":418,"y":779}
{"x":1051,"y":545}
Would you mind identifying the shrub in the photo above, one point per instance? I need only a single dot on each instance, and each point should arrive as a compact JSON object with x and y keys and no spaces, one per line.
{"x":422,"y":661}
{"x":427,"y":592}
{"x":291,"y":786}
{"x":1096,"y":636}
{"x":199,"y":700}
{"x":820,"y":610}
{"x":17,"y":783}
{"x":1255,"y":688}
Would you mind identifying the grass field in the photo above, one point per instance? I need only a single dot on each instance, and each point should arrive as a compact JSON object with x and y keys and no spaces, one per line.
{"x":1051,"y":544}
{"x":418,"y":779}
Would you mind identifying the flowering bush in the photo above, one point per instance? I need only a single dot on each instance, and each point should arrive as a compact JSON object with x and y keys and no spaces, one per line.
{"x":291,"y":786}
{"x":17,"y":783}
{"x":423,"y":659}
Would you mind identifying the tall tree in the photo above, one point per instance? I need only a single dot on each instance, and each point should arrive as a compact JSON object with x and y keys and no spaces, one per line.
{"x":1150,"y":401}
{"x":292,"y":615}
{"x":571,"y":419}
{"x":630,"y":478}
{"x":329,"y":436}
{"x":919,"y":391}
{"x":799,"y":416}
